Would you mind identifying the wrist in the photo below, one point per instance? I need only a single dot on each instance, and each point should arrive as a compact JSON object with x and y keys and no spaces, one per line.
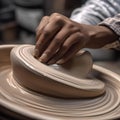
{"x":100,"y":36}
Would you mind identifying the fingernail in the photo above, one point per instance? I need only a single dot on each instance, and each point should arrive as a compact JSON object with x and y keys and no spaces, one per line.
{"x":60,"y":61}
{"x":36,"y":53}
{"x":43,"y":58}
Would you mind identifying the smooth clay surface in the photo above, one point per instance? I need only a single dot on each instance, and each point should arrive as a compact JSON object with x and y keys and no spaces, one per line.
{"x":24,"y":101}
{"x":66,"y":81}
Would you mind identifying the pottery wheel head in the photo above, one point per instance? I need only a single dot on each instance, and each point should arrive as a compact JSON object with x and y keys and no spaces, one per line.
{"x":66,"y":81}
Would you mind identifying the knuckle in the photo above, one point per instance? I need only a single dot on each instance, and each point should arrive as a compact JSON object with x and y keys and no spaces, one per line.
{"x":70,"y":25}
{"x":46,"y":17}
{"x":55,"y":14}
{"x":59,"y":19}
{"x":78,"y":35}
{"x":46,"y":32}
{"x":73,"y":28}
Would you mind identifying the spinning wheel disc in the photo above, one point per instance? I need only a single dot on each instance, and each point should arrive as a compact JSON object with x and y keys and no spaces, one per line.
{"x":34,"y":105}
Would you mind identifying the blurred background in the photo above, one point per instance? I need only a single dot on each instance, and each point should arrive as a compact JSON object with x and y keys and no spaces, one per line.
{"x":19,"y":19}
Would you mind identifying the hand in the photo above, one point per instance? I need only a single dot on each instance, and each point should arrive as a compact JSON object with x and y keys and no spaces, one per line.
{"x":59,"y":38}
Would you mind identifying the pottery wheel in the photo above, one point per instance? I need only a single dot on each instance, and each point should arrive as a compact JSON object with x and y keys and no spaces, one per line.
{"x":65,"y":81}
{"x":39,"y":91}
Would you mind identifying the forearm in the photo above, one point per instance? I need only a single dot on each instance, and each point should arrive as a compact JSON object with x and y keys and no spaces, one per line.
{"x":105,"y":33}
{"x":100,"y":36}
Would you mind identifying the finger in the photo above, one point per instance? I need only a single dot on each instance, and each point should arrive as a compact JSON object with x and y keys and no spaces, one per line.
{"x":44,"y":21}
{"x":58,"y":17}
{"x":55,"y":45}
{"x":41,"y":26}
{"x":49,"y":31}
{"x":74,"y":38}
{"x":70,"y":53}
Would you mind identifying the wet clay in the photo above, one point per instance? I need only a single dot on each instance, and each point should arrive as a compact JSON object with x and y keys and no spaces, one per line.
{"x":32,"y":102}
{"x":66,"y":81}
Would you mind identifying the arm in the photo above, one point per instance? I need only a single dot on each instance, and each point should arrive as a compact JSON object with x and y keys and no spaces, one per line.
{"x":59,"y":38}
{"x":95,"y":11}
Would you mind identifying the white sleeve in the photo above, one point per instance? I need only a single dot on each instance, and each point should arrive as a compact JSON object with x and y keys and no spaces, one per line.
{"x":95,"y":11}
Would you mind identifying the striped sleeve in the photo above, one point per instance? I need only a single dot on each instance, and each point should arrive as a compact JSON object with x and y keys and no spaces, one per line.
{"x":95,"y":11}
{"x":114,"y":24}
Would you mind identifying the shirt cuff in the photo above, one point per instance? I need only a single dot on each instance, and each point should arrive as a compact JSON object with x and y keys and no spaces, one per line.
{"x":114,"y":25}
